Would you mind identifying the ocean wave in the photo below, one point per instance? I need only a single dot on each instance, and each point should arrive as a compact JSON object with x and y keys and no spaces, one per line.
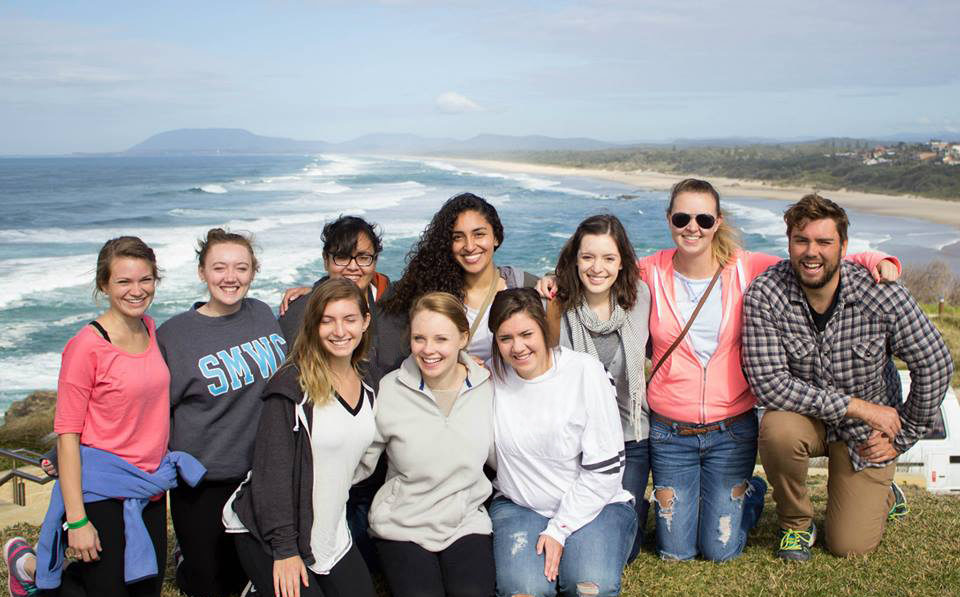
{"x":215,"y":189}
{"x":13,"y":334}
{"x":27,"y":276}
{"x":375,"y":196}
{"x":194,"y":213}
{"x":943,"y":245}
{"x":757,"y":220}
{"x":30,"y":372}
{"x":526,"y":181}
{"x":403,"y":230}
{"x":865,"y":241}
{"x":334,"y":165}
{"x":296,"y":184}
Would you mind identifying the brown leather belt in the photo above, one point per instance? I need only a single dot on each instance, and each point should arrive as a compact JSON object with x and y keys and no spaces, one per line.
{"x":682,"y":428}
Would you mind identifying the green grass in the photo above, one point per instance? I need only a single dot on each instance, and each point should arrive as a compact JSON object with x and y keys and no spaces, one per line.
{"x":918,"y":556}
{"x":949,"y":326}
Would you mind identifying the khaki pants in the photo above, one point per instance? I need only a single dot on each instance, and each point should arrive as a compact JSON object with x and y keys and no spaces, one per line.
{"x":857,"y":502}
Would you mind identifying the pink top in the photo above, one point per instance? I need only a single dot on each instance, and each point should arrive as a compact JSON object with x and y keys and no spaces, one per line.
{"x":117,"y":401}
{"x":684,"y":389}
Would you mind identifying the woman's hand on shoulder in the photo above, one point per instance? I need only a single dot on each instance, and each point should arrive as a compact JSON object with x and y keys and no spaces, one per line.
{"x":288,"y":573}
{"x":547,"y":286}
{"x":292,"y":294}
{"x":85,"y":542}
{"x":886,"y":271}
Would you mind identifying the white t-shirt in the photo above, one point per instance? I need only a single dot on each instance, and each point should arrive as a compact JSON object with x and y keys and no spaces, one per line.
{"x":705,"y":330}
{"x":339,"y":437}
{"x":481,"y":344}
{"x":559,"y":442}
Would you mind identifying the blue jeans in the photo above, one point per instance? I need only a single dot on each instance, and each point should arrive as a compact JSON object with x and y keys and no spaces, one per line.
{"x":635,"y":476}
{"x":702,"y":497}
{"x":593,"y":555}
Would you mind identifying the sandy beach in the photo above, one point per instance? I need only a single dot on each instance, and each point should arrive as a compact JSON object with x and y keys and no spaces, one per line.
{"x":907,"y":206}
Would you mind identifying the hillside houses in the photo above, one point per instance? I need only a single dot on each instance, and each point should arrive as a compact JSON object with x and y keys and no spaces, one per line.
{"x":933,"y":152}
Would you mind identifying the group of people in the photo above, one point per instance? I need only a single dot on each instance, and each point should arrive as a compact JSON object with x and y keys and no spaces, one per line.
{"x":470,"y":430}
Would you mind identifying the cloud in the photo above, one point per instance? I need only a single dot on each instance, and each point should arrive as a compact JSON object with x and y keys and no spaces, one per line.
{"x":451,"y":102}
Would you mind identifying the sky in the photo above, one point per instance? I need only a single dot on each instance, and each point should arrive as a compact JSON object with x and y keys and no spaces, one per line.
{"x":103,"y":76}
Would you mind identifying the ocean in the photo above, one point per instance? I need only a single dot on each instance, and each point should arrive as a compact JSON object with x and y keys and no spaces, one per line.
{"x":57,"y":212}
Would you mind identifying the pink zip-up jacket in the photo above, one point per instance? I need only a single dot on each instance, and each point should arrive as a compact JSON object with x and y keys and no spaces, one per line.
{"x":683,"y":389}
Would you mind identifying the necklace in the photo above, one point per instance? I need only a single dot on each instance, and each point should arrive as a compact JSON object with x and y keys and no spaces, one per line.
{"x":694,"y":294}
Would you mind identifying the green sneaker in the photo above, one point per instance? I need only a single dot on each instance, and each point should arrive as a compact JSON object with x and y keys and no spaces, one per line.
{"x":795,"y":545}
{"x":900,"y":507}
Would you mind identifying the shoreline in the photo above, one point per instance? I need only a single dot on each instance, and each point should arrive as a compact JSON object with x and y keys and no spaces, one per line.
{"x":939,"y":211}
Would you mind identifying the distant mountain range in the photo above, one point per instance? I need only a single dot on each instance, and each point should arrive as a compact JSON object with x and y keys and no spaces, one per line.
{"x":239,"y":141}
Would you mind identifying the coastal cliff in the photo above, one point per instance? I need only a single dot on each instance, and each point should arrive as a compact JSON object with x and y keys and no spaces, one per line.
{"x":28,"y":423}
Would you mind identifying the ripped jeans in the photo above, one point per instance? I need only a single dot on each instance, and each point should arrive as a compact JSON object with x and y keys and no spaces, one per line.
{"x":702,"y":502}
{"x":593,"y":555}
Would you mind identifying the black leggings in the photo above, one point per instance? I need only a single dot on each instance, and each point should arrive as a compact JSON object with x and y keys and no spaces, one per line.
{"x":105,"y":576}
{"x":210,"y":566}
{"x":463,"y":569}
{"x":348,"y":578}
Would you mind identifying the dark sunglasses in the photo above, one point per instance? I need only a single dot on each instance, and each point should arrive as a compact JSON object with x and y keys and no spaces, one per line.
{"x":705,"y":221}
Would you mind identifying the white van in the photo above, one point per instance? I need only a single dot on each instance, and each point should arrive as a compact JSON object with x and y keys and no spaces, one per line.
{"x":937,"y":456}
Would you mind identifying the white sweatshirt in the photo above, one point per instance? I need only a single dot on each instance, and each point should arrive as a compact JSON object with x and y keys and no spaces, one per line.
{"x":559,"y":442}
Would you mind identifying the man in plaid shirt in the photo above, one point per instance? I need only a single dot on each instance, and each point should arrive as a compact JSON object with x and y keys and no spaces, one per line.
{"x":817,"y":336}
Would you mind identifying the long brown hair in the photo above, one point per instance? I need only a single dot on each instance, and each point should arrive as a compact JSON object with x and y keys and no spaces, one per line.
{"x":505,"y":305}
{"x":569,"y":286}
{"x":726,"y":240}
{"x":308,"y":354}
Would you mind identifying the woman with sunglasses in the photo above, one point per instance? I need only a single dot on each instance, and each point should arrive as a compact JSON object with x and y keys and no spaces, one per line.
{"x":703,"y":423}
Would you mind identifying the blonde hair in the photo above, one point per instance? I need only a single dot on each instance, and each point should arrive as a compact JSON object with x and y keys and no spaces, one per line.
{"x":308,"y":354}
{"x":726,"y":240}
{"x":443,"y":303}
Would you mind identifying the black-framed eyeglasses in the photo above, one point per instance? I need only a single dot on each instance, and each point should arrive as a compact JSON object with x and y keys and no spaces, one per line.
{"x":362,"y":259}
{"x":705,"y":221}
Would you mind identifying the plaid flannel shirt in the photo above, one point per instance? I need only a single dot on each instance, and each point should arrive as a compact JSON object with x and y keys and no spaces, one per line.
{"x":793,"y":367}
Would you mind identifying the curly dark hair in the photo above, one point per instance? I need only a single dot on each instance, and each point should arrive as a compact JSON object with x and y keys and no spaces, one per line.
{"x":430,"y":263}
{"x":569,"y":286}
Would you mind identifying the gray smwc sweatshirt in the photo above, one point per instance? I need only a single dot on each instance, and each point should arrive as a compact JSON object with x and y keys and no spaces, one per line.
{"x":435,"y":486}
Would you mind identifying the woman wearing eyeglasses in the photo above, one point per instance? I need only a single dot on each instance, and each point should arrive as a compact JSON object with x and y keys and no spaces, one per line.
{"x":703,"y":424}
{"x":351,"y":246}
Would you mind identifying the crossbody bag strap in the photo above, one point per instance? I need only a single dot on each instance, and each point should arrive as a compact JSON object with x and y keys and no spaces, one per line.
{"x":686,"y":328}
{"x":491,"y":292}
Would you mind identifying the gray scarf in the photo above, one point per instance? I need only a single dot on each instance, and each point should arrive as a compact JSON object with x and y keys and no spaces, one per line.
{"x":582,"y":321}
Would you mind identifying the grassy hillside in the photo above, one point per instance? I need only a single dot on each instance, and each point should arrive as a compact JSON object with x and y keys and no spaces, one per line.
{"x":917,"y":557}
{"x":826,"y":165}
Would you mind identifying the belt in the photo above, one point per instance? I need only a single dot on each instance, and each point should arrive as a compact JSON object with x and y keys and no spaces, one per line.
{"x":682,"y":428}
